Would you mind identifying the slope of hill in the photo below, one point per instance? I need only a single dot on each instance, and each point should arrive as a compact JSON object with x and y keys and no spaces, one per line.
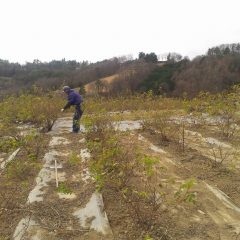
{"x":100,"y":85}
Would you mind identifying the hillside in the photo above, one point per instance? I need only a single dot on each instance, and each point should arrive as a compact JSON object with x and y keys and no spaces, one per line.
{"x":213,"y":72}
{"x":101,"y":85}
{"x":52,"y":75}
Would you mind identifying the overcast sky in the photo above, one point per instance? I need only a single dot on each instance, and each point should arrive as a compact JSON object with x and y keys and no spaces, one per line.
{"x":98,"y":29}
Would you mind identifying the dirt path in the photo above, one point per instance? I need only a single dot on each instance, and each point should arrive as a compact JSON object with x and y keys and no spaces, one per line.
{"x":217,"y":211}
{"x":74,"y":210}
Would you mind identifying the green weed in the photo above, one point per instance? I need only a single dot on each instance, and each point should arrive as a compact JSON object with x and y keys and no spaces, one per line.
{"x":63,"y":188}
{"x":147,"y":237}
{"x":184,"y":194}
{"x":74,"y":159}
{"x":149,"y":163}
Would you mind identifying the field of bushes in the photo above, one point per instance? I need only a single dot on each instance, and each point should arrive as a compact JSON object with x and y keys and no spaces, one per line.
{"x":147,"y":194}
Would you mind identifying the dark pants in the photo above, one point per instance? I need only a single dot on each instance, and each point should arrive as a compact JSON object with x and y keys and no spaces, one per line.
{"x":76,"y":118}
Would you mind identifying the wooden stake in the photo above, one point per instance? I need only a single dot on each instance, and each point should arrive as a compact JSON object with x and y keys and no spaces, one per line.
{"x":56,"y":173}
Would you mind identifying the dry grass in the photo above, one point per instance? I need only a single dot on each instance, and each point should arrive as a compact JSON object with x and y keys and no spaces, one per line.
{"x":91,"y":89}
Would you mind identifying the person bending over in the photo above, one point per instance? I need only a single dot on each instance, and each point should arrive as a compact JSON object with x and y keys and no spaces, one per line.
{"x":74,"y":99}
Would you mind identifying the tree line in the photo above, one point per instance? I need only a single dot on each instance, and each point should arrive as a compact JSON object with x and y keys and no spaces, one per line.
{"x":15,"y":77}
{"x":215,"y":71}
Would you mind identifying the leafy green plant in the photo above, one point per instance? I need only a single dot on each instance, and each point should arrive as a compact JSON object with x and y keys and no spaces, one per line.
{"x":9,"y":144}
{"x":25,"y":185}
{"x":63,"y":188}
{"x":32,"y":156}
{"x":149,"y":163}
{"x":147,"y":237}
{"x":184,"y":193}
{"x":74,"y":159}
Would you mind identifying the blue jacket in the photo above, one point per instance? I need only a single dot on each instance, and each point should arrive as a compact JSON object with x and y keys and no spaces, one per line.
{"x":73,"y":98}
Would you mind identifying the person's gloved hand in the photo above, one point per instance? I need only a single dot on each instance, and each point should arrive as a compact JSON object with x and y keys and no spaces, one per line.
{"x":62,"y":110}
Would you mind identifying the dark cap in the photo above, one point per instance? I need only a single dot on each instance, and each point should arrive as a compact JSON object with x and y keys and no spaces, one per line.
{"x":66,"y":88}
